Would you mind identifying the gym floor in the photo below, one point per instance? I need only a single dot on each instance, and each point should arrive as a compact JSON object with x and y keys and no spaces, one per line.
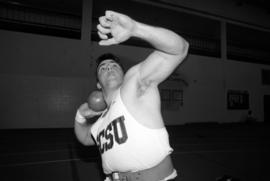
{"x":202,"y":152}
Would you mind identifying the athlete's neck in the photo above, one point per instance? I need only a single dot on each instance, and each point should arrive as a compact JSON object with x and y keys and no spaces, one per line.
{"x":110,"y":94}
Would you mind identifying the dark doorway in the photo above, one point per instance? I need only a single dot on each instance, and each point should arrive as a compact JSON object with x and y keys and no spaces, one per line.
{"x":266,"y":100}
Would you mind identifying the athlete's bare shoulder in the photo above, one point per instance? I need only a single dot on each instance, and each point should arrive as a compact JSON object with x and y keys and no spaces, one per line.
{"x":142,"y":102}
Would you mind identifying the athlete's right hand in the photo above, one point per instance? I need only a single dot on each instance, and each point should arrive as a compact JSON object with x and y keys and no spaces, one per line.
{"x":86,"y":112}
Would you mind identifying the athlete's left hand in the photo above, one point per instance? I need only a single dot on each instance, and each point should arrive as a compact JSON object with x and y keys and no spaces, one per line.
{"x":118,"y":25}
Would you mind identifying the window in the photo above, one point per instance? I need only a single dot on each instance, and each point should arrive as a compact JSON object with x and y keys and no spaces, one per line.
{"x":52,"y":17}
{"x":249,"y":45}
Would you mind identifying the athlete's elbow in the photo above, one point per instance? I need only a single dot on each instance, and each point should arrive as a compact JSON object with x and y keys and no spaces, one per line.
{"x":86,"y":141}
{"x":84,"y":138}
{"x":184,"y":48}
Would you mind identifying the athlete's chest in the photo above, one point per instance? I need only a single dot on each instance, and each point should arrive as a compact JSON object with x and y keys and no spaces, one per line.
{"x":113,"y":130}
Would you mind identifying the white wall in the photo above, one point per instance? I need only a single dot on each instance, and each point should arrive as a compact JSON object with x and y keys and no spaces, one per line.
{"x":46,"y":60}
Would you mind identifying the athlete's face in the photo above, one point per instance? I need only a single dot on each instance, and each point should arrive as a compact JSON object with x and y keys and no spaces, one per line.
{"x":110,"y":73}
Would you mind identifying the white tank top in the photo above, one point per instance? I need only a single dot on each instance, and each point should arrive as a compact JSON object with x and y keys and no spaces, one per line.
{"x":125,"y":144}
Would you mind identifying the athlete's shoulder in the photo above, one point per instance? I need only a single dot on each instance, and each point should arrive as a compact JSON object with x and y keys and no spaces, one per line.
{"x":132,"y":72}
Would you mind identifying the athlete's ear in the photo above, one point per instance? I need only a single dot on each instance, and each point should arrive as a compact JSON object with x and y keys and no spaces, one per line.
{"x":98,"y":86}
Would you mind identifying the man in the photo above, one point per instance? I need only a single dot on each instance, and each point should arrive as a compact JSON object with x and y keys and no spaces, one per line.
{"x":130,"y":133}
